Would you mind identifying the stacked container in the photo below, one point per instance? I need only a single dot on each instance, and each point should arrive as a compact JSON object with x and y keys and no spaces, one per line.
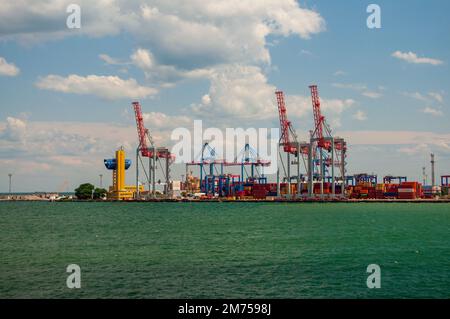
{"x":391,"y":191}
{"x":380,"y":190}
{"x":409,"y":190}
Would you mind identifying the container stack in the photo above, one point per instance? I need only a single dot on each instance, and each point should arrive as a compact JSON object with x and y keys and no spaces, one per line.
{"x":391,"y":191}
{"x":380,"y":190}
{"x":259,"y":191}
{"x":410,"y":190}
{"x":362,"y":191}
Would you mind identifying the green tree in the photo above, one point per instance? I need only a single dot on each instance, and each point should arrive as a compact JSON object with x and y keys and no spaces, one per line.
{"x":84,"y":191}
{"x":100,"y":193}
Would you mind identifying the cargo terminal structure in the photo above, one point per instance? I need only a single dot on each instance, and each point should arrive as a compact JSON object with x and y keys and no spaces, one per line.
{"x":310,"y":170}
{"x":118,"y":166}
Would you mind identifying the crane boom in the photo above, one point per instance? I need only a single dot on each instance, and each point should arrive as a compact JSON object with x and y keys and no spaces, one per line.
{"x":285,"y":125}
{"x":145,"y":137}
{"x":319,"y":119}
{"x":143,"y":133}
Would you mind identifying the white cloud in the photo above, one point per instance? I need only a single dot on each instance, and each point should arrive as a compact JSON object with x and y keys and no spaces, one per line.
{"x":109,"y":60}
{"x":176,"y":40}
{"x":34,"y":21}
{"x":361,"y":88}
{"x":163,"y":75}
{"x":14,"y":129}
{"x":437,"y":96}
{"x":431,"y":98}
{"x":162,"y":121}
{"x":109,"y":87}
{"x":8,"y":69}
{"x":372,"y":94}
{"x":21,"y":138}
{"x":339,"y":73}
{"x":417,"y":96}
{"x":360,"y":116}
{"x":143,"y":59}
{"x":299,"y":109}
{"x":213,"y":32}
{"x":190,"y":34}
{"x":206,"y":99}
{"x":238,"y":92}
{"x":412,"y":57}
{"x":301,"y":106}
{"x":432,"y":111}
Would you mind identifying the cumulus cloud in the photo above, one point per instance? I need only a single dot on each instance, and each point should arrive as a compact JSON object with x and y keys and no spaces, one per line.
{"x":109,"y":87}
{"x":300,"y":107}
{"x":163,"y":75}
{"x":239,"y":92}
{"x":143,"y":59}
{"x":8,"y":69}
{"x":186,"y":34}
{"x":176,"y":40}
{"x":34,"y":21}
{"x":14,"y":129}
{"x":162,"y":121}
{"x":202,"y":33}
{"x":412,"y":57}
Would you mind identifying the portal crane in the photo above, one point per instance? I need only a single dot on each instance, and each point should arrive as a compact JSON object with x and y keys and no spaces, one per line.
{"x":286,"y":126}
{"x":319,"y":120}
{"x":291,"y":146}
{"x":326,"y":150}
{"x":154,"y":154}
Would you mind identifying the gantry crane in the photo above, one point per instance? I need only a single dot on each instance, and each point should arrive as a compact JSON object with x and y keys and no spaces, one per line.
{"x":249,"y":157}
{"x":213,"y":180}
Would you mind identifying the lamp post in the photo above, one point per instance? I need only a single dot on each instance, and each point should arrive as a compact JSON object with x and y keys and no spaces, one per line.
{"x":101,"y":180}
{"x":10,"y":179}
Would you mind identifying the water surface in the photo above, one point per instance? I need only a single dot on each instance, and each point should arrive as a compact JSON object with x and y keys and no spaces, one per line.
{"x":224,"y":250}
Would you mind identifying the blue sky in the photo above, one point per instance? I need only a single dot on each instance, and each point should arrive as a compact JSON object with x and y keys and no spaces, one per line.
{"x":384,"y":90}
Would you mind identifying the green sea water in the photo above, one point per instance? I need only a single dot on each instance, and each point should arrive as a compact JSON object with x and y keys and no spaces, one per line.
{"x":224,"y":250}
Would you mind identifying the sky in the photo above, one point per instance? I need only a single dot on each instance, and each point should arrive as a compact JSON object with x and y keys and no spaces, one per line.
{"x":66,"y":93}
